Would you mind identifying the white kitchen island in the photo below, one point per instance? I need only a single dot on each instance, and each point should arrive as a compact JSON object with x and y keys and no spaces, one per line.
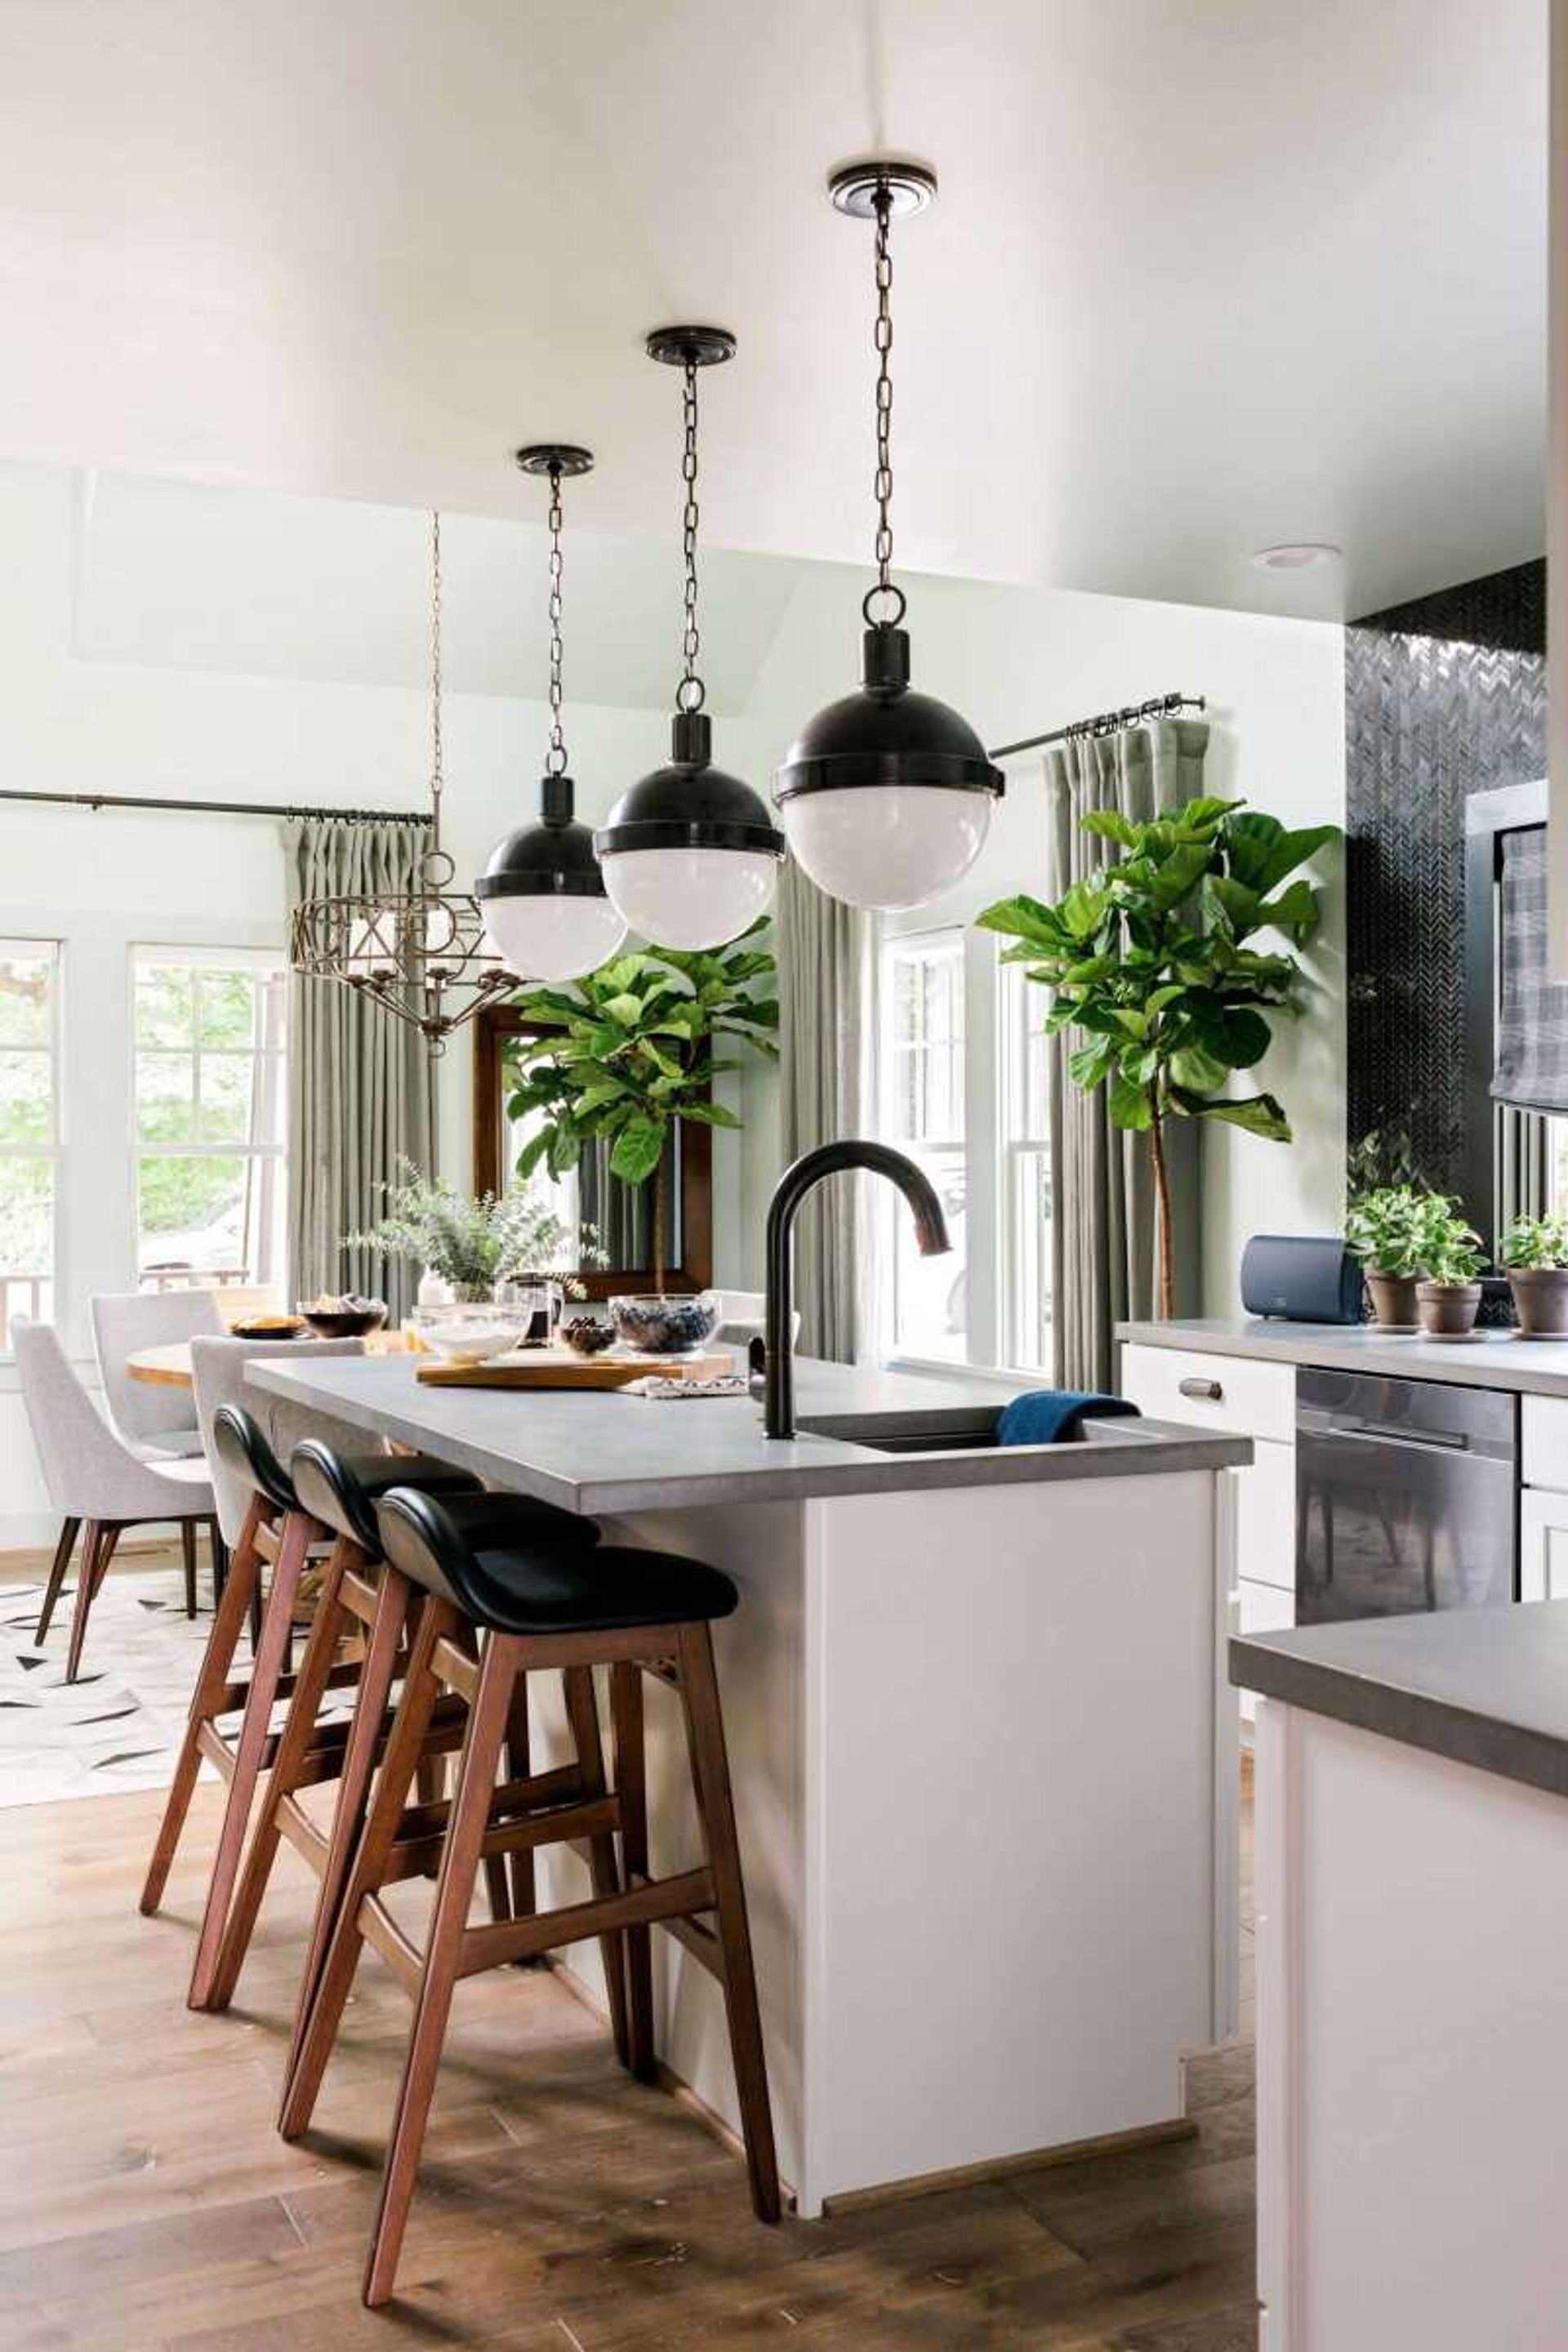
{"x":1412,"y":1824}
{"x":982,"y":1740}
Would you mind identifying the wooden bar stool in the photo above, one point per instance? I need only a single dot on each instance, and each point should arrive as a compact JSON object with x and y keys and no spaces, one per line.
{"x":537,"y":1608}
{"x":356,"y":1603}
{"x":278,"y":1533}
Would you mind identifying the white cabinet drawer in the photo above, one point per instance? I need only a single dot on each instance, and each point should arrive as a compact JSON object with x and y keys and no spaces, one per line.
{"x":1265,"y":1516}
{"x":1234,"y":1392}
{"x":1544,"y":1428}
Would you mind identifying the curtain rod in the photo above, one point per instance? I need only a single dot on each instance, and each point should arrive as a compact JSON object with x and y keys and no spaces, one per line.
{"x":218,"y":808}
{"x":1107,"y":722}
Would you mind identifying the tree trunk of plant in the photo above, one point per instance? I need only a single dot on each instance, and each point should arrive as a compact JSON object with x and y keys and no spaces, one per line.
{"x":1162,"y":1198}
{"x":660,"y":1186}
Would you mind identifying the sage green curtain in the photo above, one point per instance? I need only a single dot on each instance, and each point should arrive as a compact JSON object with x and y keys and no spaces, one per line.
{"x":824,"y":951}
{"x":1103,"y":1241}
{"x":361,"y":1091}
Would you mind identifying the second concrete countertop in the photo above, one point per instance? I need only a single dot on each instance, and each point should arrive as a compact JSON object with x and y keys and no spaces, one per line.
{"x":1494,"y":1360}
{"x":1483,"y":1687}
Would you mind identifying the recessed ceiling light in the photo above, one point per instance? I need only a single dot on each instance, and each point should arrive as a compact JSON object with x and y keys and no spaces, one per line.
{"x":1298,"y":555}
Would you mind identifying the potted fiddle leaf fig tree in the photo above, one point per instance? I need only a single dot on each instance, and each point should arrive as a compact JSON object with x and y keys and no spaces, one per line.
{"x":628,"y":1054}
{"x":1533,"y":1254}
{"x":1155,"y":962}
{"x":1449,"y":1299}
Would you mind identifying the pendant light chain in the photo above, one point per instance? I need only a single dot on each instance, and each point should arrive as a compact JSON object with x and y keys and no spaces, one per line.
{"x":882,"y":491}
{"x":555,"y":759}
{"x":692,"y":693}
{"x":434,"y":854}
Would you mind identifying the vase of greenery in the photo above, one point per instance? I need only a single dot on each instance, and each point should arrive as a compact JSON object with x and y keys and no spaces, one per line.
{"x":630,"y":1052}
{"x":1533,"y":1254}
{"x":1449,"y":1299}
{"x":1389,"y":1228}
{"x":1153,"y":959}
{"x":473,"y":1244}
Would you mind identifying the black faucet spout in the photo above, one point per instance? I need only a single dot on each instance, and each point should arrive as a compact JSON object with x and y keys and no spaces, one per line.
{"x":797,"y":1181}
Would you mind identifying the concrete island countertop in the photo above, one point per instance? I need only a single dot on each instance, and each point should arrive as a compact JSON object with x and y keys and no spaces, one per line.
{"x":603,"y":1450}
{"x":1494,"y":1360}
{"x":1483,"y":1687}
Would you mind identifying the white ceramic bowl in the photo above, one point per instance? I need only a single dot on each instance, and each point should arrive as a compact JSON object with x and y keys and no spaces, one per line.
{"x":468,"y":1335}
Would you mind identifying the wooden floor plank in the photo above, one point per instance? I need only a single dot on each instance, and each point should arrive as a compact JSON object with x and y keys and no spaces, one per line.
{"x":148,"y":2205}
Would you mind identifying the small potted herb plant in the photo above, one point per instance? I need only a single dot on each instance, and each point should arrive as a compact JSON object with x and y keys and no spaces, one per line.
{"x":1449,"y":1299}
{"x":1534,"y":1256}
{"x":1388,"y":1229}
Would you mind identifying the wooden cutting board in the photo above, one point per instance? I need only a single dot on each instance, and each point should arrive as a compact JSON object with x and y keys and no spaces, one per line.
{"x":558,"y":1368}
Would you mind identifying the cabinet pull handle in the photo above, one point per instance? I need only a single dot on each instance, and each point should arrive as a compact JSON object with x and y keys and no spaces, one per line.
{"x":1210,"y":1391}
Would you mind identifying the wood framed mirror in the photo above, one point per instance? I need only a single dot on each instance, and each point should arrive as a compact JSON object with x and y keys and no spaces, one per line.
{"x":591,"y":1195}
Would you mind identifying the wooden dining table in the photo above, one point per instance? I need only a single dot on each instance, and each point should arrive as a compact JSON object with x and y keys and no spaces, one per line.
{"x":169,"y":1366}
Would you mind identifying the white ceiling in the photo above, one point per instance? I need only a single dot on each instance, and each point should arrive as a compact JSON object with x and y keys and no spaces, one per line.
{"x":1206,"y":273}
{"x":177,"y":575}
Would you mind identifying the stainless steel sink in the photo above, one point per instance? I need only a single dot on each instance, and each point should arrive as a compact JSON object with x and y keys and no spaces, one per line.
{"x":949,"y":1429}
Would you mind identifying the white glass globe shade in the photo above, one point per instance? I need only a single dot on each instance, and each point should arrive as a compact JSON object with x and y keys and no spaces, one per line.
{"x":543,"y":936}
{"x":887,"y":846}
{"x":690,"y":897}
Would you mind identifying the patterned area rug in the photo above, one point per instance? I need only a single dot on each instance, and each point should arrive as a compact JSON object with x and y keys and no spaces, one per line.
{"x":120,"y":1724}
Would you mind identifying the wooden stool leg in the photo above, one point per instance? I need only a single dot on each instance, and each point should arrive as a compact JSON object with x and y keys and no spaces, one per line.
{"x":250,"y":1750}
{"x":188,"y":1547}
{"x":631,"y":1786}
{"x":319,"y":2026}
{"x":287,"y":1766}
{"x":57,"y":1573}
{"x":371,"y":1700}
{"x":524,"y":1891}
{"x":582,"y":1714}
{"x":222,"y":1641}
{"x":102,"y":1534}
{"x":711,"y":1774}
{"x":465,"y":1828}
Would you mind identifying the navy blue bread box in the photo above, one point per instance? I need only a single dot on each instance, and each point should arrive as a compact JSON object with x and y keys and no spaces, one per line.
{"x":1306,"y":1277}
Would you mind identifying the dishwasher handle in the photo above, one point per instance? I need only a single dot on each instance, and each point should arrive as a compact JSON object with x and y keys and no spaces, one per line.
{"x":1389,"y":1432}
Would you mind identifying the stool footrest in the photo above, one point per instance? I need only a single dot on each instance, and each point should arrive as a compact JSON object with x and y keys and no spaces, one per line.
{"x":506,"y":1940}
{"x":411,"y":1857}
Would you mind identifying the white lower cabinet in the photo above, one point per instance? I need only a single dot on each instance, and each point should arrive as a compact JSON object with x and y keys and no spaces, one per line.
{"x":1257,"y":1401}
{"x":1542,"y":1545}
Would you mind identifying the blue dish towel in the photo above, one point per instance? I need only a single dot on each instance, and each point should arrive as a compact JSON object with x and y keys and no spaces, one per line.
{"x":1050,"y":1416}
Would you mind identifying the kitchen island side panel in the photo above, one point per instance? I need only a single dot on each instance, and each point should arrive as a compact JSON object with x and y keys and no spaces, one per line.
{"x":1411,"y":2025}
{"x":1010,"y":1757}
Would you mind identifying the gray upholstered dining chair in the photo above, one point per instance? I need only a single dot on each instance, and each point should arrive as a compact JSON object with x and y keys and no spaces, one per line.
{"x":94,"y":1480}
{"x":155,"y":1420}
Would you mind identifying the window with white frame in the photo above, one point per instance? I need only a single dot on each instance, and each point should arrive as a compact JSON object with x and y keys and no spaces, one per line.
{"x":963,"y":1087}
{"x":921,"y":1086}
{"x":1026,"y":1198}
{"x":29,"y":1127}
{"x":209,"y":1106}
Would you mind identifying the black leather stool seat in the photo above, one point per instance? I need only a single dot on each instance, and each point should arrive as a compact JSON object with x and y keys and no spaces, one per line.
{"x":241,"y":1443}
{"x":516,"y":1579}
{"x":340,"y":1490}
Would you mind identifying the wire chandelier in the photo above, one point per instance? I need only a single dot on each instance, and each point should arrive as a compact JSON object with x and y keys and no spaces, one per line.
{"x":421,"y":954}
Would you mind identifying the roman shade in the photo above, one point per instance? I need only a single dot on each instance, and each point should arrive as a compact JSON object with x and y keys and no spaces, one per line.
{"x":1532,"y":1065}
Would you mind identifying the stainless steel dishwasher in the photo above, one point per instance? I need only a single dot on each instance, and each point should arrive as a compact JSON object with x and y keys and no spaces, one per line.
{"x":1407,"y":1497}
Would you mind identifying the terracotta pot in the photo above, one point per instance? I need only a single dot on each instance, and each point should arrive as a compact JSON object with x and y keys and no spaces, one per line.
{"x":1541,"y":1300}
{"x":1393,"y":1300}
{"x":1448,"y":1310}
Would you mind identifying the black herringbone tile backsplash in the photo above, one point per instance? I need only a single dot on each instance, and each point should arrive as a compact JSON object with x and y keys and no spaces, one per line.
{"x":1444,"y":697}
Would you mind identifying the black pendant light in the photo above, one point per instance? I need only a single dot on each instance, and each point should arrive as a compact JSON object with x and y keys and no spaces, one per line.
{"x":885,"y":796}
{"x":542,"y":893}
{"x":690,"y":854}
